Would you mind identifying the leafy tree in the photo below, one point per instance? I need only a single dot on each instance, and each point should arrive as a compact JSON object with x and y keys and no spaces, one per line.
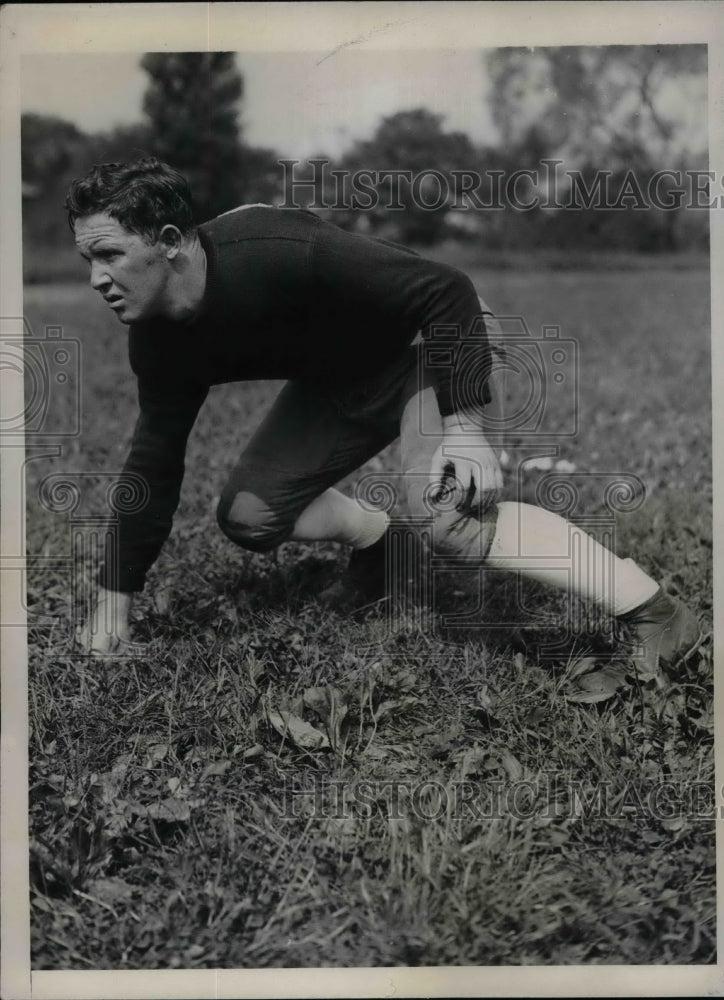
{"x":53,"y":151}
{"x":192,"y":104}
{"x":50,"y":146}
{"x":618,"y":108}
{"x":606,"y":105}
{"x":261,"y":175}
{"x":413,"y":141}
{"x":123,"y":143}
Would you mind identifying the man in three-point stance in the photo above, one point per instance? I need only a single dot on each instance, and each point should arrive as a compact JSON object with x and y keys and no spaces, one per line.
{"x":266,"y":293}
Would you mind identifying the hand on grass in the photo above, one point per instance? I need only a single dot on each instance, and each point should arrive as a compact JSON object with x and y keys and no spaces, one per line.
{"x":107,"y":632}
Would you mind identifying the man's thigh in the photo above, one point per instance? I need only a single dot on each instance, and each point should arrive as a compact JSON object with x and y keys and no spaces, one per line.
{"x":303,"y":446}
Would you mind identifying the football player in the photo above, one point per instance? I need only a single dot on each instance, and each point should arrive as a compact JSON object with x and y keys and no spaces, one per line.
{"x":267,"y":293}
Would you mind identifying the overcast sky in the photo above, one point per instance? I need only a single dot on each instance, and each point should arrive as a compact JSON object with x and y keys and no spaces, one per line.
{"x":298,"y":103}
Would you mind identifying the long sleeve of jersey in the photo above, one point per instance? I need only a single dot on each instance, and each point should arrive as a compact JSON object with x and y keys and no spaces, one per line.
{"x":152,"y":474}
{"x":368,"y":286}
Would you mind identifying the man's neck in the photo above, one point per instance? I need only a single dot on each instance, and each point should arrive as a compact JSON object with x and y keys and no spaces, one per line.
{"x":189,"y":284}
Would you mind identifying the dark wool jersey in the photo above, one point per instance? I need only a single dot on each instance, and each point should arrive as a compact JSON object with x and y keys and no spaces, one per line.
{"x":288,"y":296}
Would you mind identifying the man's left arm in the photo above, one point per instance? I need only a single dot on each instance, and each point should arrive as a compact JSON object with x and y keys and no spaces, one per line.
{"x":470,"y":406}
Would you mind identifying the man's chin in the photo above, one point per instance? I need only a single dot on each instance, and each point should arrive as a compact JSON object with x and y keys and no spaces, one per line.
{"x":128,"y":315}
{"x":124,"y":316}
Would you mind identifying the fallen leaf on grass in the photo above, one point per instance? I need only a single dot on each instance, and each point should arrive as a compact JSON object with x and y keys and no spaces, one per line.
{"x":154,"y":754}
{"x":217,"y":768}
{"x":674,"y":825}
{"x":376,"y":753}
{"x":637,"y":669}
{"x":122,"y":763}
{"x":705,"y":720}
{"x":393,"y":705}
{"x":478,"y":760}
{"x":599,"y":686}
{"x":331,"y":705}
{"x":425,"y":729}
{"x":589,"y":697}
{"x":485,"y":699}
{"x":41,"y":903}
{"x":583,"y":666}
{"x":257,"y":671}
{"x":171,"y":810}
{"x":111,"y":888}
{"x":297,"y":730}
{"x":162,"y":600}
{"x":402,"y":680}
{"x":511,"y":765}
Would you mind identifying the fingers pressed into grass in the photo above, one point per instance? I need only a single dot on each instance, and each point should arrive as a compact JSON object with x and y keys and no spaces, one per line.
{"x":107,"y":645}
{"x":107,"y":632}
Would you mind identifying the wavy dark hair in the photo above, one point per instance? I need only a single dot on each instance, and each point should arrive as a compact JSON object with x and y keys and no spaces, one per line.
{"x":144,"y":196}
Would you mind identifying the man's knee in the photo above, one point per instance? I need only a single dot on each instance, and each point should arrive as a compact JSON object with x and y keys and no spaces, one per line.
{"x":250,"y":523}
{"x":455,"y":532}
{"x":467,"y":535}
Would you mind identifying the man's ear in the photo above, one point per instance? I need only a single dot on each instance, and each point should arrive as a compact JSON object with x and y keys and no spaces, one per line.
{"x":171,"y":239}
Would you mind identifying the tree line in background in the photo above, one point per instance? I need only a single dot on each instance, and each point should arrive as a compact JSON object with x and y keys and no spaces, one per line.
{"x":591,"y":109}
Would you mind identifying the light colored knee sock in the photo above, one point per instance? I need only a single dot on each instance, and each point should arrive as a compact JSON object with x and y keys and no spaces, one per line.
{"x":543,"y":546}
{"x":334,"y":517}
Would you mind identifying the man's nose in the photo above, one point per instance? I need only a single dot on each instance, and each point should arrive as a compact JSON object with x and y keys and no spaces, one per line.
{"x":99,"y":277}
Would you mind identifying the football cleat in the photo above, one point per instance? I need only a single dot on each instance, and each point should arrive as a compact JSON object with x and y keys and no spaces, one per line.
{"x":364,"y":582}
{"x":665,"y":633}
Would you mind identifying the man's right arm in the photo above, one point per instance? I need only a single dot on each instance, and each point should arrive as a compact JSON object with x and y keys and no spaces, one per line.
{"x":156,"y":464}
{"x":150,"y":486}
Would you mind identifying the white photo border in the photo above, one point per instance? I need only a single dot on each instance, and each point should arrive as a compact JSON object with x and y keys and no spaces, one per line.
{"x":126,"y":27}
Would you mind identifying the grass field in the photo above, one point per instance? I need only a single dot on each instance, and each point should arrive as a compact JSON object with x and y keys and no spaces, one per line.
{"x":173,"y":813}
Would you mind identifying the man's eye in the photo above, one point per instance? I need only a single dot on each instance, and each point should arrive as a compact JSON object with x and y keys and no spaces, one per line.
{"x":102,"y":255}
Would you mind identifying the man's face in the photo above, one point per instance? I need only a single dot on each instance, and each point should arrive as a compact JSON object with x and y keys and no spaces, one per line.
{"x":130,"y":273}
